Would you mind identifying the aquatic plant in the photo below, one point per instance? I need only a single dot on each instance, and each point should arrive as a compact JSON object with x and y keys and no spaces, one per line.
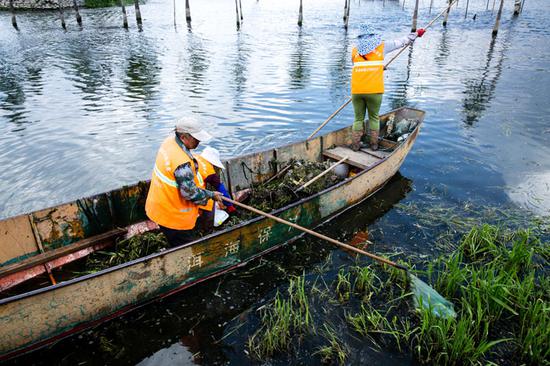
{"x":343,"y":285}
{"x":281,"y":320}
{"x":335,"y":351}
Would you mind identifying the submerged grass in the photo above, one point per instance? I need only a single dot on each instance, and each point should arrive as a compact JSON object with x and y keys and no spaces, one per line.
{"x":284,"y":318}
{"x":496,"y":278}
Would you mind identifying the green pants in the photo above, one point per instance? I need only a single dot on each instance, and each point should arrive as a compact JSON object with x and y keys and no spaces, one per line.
{"x":370,"y":102}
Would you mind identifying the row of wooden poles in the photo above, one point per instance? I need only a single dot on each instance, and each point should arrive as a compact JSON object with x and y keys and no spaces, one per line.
{"x":518,"y":7}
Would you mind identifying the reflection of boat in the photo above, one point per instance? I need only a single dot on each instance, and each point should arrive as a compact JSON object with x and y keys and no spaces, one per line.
{"x":69,"y":231}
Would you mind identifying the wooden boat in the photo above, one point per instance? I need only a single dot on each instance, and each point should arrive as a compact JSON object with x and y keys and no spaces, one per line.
{"x":34,"y":243}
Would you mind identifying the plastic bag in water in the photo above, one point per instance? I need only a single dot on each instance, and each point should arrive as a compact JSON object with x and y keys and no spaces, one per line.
{"x":429,"y":298}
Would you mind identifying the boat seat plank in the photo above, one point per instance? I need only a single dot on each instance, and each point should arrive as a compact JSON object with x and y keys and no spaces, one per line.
{"x":48,"y":256}
{"x":358,"y":159}
{"x":378,"y":153}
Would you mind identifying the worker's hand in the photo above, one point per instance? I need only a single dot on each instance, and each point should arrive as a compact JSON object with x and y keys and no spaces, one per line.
{"x":412,"y":36}
{"x":420,"y":32}
{"x":218,"y":197}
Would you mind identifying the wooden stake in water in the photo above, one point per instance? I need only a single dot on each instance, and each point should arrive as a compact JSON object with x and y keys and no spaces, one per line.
{"x":493,"y":9}
{"x":241,"y":10}
{"x":237,"y":14}
{"x":345,"y":11}
{"x":466,"y":12}
{"x":522,"y":4}
{"x":78,"y":17}
{"x":487,"y":8}
{"x":447,"y":13}
{"x":497,"y":22}
{"x":124,"y":16}
{"x":415,"y":16}
{"x":61,"y":15}
{"x":187,"y":12}
{"x":517,"y":7}
{"x":138,"y":14}
{"x":174,"y":7}
{"x":13,"y":20}
{"x":300,"y":15}
{"x":431,"y":4}
{"x":347,"y":14}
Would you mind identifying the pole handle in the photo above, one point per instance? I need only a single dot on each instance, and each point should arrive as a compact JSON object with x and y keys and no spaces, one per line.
{"x":314,"y":233}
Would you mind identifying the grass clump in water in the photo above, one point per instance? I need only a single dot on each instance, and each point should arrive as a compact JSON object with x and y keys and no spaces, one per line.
{"x":282,"y":320}
{"x":335,"y":351}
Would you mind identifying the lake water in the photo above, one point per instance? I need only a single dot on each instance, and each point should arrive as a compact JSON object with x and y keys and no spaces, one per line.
{"x":84,"y":111}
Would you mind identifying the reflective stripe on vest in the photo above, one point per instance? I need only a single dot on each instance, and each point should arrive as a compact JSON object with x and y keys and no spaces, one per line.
{"x":164,"y":204}
{"x":367,"y":74}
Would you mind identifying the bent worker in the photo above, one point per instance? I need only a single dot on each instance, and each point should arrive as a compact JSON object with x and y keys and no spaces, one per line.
{"x":209,"y":166}
{"x":367,"y":80}
{"x":175,"y":193}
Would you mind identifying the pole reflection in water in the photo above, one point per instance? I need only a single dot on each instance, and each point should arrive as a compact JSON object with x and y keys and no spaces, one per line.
{"x":479,"y":89}
{"x":299,"y":67}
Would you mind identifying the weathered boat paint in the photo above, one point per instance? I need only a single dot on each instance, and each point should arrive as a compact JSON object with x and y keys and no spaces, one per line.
{"x":35,"y":318}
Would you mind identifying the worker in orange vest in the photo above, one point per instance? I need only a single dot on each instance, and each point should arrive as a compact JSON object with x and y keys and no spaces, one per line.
{"x":367,"y":80}
{"x":175,"y":193}
{"x":209,"y":166}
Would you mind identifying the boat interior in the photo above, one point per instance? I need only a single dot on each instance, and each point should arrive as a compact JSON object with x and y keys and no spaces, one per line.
{"x":38,"y":247}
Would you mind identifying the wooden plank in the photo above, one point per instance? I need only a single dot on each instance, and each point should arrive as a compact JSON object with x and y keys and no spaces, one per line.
{"x":17,"y":239}
{"x":378,"y":153}
{"x":60,"y":252}
{"x":356,"y":158}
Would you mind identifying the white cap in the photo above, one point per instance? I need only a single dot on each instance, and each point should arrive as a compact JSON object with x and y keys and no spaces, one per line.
{"x":212,"y":156}
{"x":193,"y":127}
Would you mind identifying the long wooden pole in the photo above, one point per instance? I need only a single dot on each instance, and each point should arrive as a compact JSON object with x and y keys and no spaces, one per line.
{"x":347,"y":14}
{"x":466,"y":12}
{"x":426,"y":27}
{"x":305,"y":185}
{"x":316,"y":234}
{"x":329,"y":118}
{"x":174,"y":6}
{"x":385,"y":67}
{"x":497,"y":22}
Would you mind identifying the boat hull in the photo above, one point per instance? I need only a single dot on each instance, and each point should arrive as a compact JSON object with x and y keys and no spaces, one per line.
{"x":36,"y":318}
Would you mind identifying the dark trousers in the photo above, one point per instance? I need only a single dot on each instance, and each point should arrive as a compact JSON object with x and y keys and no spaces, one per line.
{"x":178,"y":237}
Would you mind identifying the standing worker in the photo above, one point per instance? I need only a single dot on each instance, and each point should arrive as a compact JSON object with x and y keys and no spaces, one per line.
{"x":174,"y":194}
{"x":367,"y":80}
{"x":209,"y":167}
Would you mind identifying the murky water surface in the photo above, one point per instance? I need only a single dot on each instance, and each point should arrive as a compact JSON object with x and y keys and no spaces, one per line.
{"x":84,"y":111}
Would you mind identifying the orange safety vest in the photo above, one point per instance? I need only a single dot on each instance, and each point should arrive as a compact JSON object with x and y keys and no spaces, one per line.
{"x":367,"y":74}
{"x":206,"y":169}
{"x":164,"y":204}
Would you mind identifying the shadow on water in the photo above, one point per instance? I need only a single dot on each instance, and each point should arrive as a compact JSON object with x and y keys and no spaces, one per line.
{"x":399,"y":97}
{"x":299,"y":68}
{"x":195,"y":67}
{"x":240,"y":68}
{"x":340,"y":68}
{"x":142,"y":72}
{"x":479,"y":89}
{"x":212,"y":321}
